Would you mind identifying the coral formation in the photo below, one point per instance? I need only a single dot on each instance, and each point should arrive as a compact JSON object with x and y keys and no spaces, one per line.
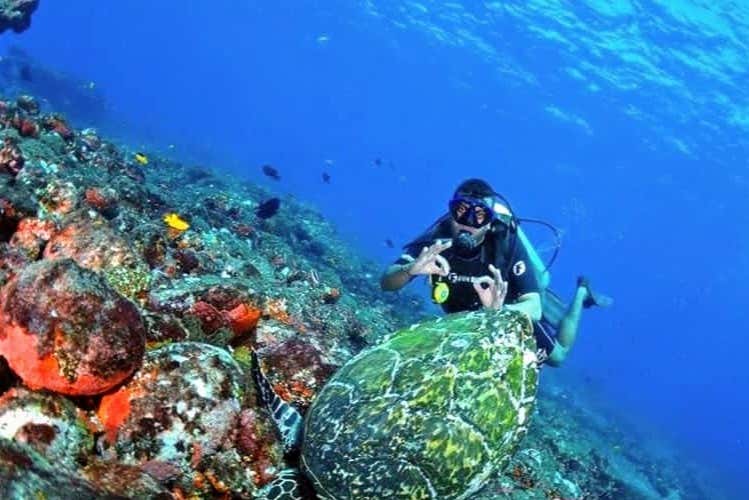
{"x":92,"y":276}
{"x":11,"y":158}
{"x":182,"y":408}
{"x":64,"y":329}
{"x":16,"y":14}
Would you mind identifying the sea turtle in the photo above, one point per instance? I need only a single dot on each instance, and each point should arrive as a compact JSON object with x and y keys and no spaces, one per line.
{"x":432,"y":412}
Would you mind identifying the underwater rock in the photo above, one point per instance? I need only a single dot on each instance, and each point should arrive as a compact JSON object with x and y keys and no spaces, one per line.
{"x":28,"y":104}
{"x":11,"y":157}
{"x":296,"y":368}
{"x":103,"y":201}
{"x":12,"y":261}
{"x":64,"y":329}
{"x":16,"y":14}
{"x":124,"y":481}
{"x":31,"y":235}
{"x":58,"y":125}
{"x":24,"y":473}
{"x":92,"y":243}
{"x":59,"y":198}
{"x":46,"y":422}
{"x":180,"y":408}
{"x":433,"y":412}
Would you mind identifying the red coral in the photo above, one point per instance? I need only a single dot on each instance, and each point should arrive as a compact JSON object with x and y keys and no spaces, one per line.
{"x":210,"y":318}
{"x":57,"y":124}
{"x":11,"y":157}
{"x":62,"y":328}
{"x":25,"y":126}
{"x":31,"y":235}
{"x":256,"y":441}
{"x":242,"y":318}
{"x":296,"y":369}
{"x":103,"y":201}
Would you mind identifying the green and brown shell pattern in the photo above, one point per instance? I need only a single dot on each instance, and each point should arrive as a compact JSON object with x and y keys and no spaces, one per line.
{"x":432,"y":412}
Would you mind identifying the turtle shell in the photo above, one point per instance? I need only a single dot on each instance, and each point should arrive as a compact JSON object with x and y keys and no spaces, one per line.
{"x":432,"y":412}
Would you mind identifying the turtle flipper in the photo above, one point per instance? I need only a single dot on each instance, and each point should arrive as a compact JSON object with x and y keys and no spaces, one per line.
{"x":288,"y":420}
{"x":289,"y":485}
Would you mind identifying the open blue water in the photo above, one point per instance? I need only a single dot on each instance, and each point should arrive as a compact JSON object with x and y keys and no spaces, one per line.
{"x":625,"y":123}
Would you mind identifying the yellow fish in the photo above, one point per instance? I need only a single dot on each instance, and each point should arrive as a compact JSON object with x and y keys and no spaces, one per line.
{"x":141,"y":158}
{"x":176,"y":222}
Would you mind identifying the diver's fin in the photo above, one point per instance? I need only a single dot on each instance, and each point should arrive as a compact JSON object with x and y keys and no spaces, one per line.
{"x":288,"y":420}
{"x":594,"y":298}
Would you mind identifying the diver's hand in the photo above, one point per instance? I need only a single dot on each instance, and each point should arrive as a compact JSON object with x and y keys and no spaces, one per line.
{"x":492,"y":290}
{"x":430,"y":261}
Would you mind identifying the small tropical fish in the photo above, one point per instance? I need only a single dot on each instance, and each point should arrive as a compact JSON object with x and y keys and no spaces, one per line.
{"x":270,"y":171}
{"x":326,"y":177}
{"x":141,"y":158}
{"x":389,"y":243}
{"x":377,"y":162}
{"x":174,"y":221}
{"x":268,"y":208}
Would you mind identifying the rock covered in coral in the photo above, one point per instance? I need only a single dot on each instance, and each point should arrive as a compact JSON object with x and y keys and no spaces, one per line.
{"x":124,"y":481}
{"x":182,"y":408}
{"x":32,"y":235}
{"x":24,"y":473}
{"x":296,"y":367}
{"x":63,"y":328}
{"x":16,"y":14}
{"x":47,"y":422}
{"x":91,"y":242}
{"x":11,"y":157}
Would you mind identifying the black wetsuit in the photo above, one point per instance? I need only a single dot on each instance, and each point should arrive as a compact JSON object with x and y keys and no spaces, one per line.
{"x":505,"y":251}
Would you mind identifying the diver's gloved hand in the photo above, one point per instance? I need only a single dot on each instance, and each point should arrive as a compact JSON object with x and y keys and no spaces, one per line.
{"x":430,"y":261}
{"x":492,"y":290}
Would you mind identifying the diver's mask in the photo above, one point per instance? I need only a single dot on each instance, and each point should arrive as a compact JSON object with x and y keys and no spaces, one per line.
{"x":471,"y":212}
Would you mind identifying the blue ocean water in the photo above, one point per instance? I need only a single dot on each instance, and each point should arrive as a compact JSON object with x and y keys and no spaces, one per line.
{"x":625,"y":123}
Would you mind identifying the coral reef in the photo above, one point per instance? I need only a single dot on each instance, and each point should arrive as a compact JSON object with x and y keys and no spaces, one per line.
{"x":136,"y":294}
{"x":183,"y":408}
{"x":16,"y":14}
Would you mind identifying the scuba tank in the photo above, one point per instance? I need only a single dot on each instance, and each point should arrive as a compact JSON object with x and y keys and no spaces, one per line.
{"x":506,"y":216}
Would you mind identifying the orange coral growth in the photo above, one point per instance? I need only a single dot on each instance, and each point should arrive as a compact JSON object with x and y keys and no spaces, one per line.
{"x":216,"y":483}
{"x":276,"y":309}
{"x":242,"y":318}
{"x":31,"y":234}
{"x":58,"y":125}
{"x":113,"y":411}
{"x":97,"y":199}
{"x":20,"y":351}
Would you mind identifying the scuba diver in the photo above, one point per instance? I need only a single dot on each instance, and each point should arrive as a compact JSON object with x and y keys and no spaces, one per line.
{"x":477,"y":256}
